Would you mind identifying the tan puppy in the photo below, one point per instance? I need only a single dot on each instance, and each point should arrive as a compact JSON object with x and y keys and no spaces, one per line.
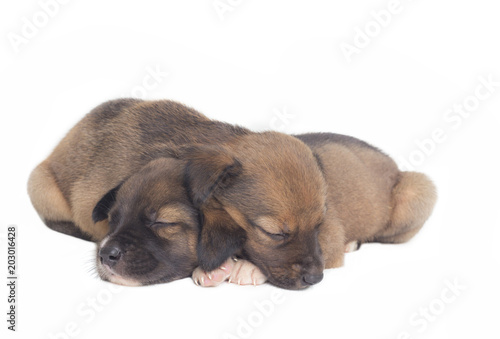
{"x":368,"y":200}
{"x":263,"y":203}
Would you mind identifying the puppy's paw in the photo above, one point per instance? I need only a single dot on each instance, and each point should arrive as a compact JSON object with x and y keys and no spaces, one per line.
{"x":214,"y":278}
{"x":352,"y":246}
{"x":246,"y":273}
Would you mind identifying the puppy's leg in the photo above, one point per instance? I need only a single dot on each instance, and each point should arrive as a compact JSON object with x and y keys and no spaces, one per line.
{"x":246,"y":273}
{"x":413,"y":200}
{"x":332,"y":239}
{"x":215,"y":277}
{"x":241,"y":272}
{"x":335,"y":258}
{"x":50,"y":203}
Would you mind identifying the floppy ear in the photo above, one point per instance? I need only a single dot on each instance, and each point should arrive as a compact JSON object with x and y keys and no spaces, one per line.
{"x":220,"y":238}
{"x":209,"y":169}
{"x":101,"y":210}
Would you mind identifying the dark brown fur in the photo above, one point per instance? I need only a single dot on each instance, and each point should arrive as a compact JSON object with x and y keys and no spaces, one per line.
{"x":152,"y":224}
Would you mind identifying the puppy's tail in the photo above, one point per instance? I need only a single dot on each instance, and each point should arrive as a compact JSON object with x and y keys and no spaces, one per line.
{"x":413,"y":199}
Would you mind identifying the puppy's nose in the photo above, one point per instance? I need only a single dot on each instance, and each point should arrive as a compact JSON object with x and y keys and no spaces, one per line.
{"x":110,"y":254}
{"x":311,"y":279}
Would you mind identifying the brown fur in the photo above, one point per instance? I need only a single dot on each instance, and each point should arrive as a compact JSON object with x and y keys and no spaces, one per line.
{"x":369,"y":199}
{"x":228,"y":168}
{"x":152,"y":224}
{"x":73,"y":190}
{"x":279,"y":180}
{"x":287,"y":204}
{"x":108,"y":145}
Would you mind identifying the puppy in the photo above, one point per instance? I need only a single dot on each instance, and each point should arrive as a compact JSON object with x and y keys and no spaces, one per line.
{"x":106,"y":147}
{"x":260,"y":196}
{"x":262,"y":200}
{"x":368,"y":200}
{"x":251,"y":192}
{"x":153,"y":227}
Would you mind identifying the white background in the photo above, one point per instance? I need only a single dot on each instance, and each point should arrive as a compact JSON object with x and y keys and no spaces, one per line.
{"x":257,"y":62}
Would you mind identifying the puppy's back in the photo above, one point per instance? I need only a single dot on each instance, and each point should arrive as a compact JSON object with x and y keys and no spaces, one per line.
{"x":373,"y":199}
{"x":109,"y":144}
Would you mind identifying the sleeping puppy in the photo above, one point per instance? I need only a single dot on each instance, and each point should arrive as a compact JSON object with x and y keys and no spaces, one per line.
{"x":262,"y":203}
{"x":153,"y":227}
{"x":102,"y":183}
{"x":112,"y":142}
{"x":368,"y":200}
{"x":105,"y":182}
{"x":153,"y":231}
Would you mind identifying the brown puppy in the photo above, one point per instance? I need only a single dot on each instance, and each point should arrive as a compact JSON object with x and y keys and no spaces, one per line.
{"x":106,"y":147}
{"x":265,"y":204}
{"x":153,"y":227}
{"x":368,"y":200}
{"x":241,"y":182}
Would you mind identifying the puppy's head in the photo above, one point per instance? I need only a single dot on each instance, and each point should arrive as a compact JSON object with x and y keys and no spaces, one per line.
{"x":153,"y":227}
{"x":263,"y":198}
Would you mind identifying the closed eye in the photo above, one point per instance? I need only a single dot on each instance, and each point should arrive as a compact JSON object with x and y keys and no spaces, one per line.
{"x":159,"y":224}
{"x":278,"y":236}
{"x":282,"y":236}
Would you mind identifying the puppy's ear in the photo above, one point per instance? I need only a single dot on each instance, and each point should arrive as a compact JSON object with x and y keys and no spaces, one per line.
{"x":220,"y":238}
{"x":101,"y":210}
{"x":209,"y":169}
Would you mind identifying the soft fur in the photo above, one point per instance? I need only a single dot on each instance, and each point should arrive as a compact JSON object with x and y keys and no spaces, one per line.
{"x":169,"y":189}
{"x":232,"y":177}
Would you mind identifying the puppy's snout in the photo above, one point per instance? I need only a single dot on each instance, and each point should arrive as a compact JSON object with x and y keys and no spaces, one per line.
{"x":311,"y":279}
{"x":110,"y":254}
